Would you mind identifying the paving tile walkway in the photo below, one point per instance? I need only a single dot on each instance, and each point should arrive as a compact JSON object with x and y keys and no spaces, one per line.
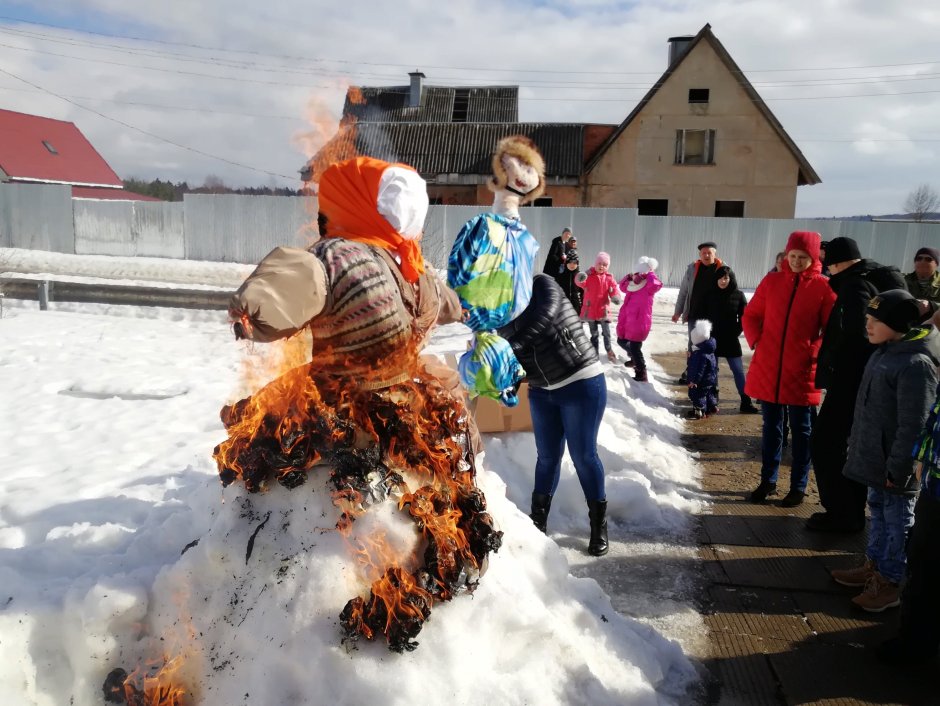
{"x":781,"y":631}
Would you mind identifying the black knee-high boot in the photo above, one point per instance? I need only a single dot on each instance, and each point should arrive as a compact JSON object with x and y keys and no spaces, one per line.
{"x":541,"y":504}
{"x":597,"y":512}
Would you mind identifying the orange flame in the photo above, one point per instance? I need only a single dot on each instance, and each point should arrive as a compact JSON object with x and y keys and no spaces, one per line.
{"x":373,"y":439}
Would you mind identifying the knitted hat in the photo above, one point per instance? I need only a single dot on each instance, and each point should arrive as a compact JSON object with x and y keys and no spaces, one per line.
{"x":807,"y":241}
{"x":842,"y":250}
{"x":896,"y":308}
{"x":646,"y":264}
{"x":701,"y":332}
{"x":706,"y":244}
{"x":602,"y":259}
{"x":572,"y":255}
{"x":932,"y":252}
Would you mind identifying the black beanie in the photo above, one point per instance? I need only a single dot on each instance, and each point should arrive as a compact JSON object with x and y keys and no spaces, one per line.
{"x":895,"y":308}
{"x":842,"y":250}
{"x":933,"y":252}
{"x":572,"y":255}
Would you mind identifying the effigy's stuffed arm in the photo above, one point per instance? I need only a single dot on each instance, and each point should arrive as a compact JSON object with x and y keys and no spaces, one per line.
{"x":287,"y":289}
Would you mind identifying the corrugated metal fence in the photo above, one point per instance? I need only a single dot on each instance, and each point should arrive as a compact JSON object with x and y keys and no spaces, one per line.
{"x":229,"y":228}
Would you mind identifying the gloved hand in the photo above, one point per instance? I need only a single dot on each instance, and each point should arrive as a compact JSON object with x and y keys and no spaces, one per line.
{"x":582,"y":276}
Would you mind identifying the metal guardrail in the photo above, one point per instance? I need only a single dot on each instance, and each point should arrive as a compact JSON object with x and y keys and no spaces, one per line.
{"x":50,"y":290}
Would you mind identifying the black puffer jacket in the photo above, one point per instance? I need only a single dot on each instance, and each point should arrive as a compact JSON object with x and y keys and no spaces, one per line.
{"x":845,"y":348}
{"x":547,"y":337}
{"x":725,"y":309}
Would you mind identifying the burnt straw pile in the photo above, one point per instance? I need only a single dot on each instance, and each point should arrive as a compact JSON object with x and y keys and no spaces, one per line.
{"x":377,"y":444}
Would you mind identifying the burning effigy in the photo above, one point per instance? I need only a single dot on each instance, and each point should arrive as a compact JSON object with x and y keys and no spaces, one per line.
{"x":367,"y":407}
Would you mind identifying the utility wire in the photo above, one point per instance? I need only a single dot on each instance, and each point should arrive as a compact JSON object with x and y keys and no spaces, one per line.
{"x":146,"y":132}
{"x":242,"y":79}
{"x":295,"y":58}
{"x":549,"y":83}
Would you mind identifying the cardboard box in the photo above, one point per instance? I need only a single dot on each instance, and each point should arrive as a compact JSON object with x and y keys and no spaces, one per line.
{"x":493,"y":417}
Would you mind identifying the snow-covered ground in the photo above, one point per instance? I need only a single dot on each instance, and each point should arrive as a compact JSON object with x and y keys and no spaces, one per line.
{"x":110,"y":416}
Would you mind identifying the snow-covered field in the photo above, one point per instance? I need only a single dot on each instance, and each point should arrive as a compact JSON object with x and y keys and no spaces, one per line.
{"x":110,"y":416}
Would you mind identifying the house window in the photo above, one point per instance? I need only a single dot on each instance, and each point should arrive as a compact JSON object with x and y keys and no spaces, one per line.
{"x":729,"y":209}
{"x":461,"y":105}
{"x":543,"y":201}
{"x":695,"y":146}
{"x":652,"y":207}
{"x":698,"y":95}
{"x":48,"y":146}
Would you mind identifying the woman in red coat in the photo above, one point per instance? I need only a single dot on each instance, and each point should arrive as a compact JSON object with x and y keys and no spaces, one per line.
{"x":784,"y":324}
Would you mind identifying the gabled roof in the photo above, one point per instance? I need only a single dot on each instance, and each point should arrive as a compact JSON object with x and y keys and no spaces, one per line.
{"x":34,"y":148}
{"x":807,"y":175}
{"x":379,"y":104}
{"x":457,"y":148}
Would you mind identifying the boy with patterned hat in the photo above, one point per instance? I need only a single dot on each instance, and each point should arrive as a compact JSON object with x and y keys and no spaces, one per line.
{"x":894,"y":399}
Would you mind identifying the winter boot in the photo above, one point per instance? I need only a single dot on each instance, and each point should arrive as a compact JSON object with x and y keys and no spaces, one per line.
{"x":762,"y":491}
{"x":793,"y":498}
{"x":695,"y":413}
{"x":541,"y":504}
{"x":640,"y":375}
{"x":597,"y":512}
{"x":747,"y":407}
{"x":630,"y":364}
{"x":879,"y":594}
{"x":855,"y":577}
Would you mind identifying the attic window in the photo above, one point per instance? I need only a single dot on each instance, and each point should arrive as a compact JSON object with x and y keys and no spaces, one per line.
{"x":698,"y":95}
{"x":48,"y":146}
{"x":695,"y":147}
{"x":461,"y":105}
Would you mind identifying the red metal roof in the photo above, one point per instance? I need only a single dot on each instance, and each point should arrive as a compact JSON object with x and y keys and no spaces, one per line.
{"x":34,"y":148}
{"x":92,"y":192}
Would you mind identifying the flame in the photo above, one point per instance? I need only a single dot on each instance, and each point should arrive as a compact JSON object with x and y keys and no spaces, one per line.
{"x":376,"y":442}
{"x":156,"y":684}
{"x":328,"y":140}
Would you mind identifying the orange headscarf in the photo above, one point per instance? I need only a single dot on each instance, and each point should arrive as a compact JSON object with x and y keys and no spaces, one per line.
{"x":347,"y":197}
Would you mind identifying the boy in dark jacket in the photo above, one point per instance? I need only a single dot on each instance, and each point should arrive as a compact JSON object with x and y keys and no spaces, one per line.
{"x":703,"y":371}
{"x":566,"y":279}
{"x":893,"y":402}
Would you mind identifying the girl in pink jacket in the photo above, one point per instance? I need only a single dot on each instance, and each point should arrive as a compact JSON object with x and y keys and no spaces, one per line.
{"x":600,"y":289}
{"x":636,"y":314}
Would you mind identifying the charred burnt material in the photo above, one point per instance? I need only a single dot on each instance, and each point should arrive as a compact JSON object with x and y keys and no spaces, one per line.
{"x":372,"y":440}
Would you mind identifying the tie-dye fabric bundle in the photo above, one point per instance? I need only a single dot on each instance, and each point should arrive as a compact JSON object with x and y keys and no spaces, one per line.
{"x":490,"y":268}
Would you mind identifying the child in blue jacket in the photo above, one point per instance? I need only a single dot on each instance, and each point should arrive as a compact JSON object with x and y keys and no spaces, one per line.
{"x":703,"y":371}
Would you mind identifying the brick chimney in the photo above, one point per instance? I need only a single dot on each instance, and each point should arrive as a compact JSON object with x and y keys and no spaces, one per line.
{"x":417,"y":83}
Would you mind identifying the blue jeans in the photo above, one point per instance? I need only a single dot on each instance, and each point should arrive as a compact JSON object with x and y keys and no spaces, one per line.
{"x":801,"y":425}
{"x":737,"y":370}
{"x":892,"y":515}
{"x":569,"y":414}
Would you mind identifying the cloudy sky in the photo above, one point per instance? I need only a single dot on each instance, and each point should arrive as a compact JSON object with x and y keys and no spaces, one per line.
{"x":242,"y":90}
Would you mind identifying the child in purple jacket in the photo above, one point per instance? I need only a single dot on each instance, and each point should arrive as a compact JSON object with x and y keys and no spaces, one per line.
{"x":636,"y":314}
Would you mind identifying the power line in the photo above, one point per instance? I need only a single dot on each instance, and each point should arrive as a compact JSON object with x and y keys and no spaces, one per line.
{"x":295,"y":58}
{"x":205,"y":111}
{"x":552,"y":83}
{"x":146,"y":132}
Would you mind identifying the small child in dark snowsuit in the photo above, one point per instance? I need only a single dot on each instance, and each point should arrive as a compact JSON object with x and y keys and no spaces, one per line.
{"x":703,"y":371}
{"x":566,"y":279}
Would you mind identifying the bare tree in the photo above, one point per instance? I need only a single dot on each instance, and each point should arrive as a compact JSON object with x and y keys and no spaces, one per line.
{"x":921,"y":202}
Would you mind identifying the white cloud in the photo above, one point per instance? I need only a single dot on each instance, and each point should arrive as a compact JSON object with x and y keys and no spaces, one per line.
{"x":620,"y":47}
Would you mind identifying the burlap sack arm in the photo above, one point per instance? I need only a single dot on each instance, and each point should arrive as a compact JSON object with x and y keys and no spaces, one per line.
{"x":287,"y":289}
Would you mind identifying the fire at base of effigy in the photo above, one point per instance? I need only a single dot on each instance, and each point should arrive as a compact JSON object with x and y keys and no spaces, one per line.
{"x":378,"y":444}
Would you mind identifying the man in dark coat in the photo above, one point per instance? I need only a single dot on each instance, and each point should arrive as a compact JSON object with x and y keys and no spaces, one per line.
{"x":696,"y":284}
{"x":556,"y":257}
{"x":842,"y":357}
{"x":924,"y":281}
